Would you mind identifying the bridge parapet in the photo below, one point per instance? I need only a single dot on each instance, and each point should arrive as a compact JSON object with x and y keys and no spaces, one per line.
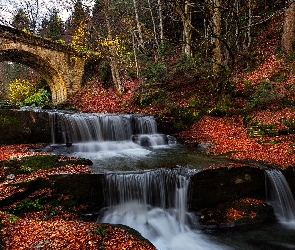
{"x":22,"y":36}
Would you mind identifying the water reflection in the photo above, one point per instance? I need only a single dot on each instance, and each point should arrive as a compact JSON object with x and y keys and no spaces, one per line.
{"x":129,"y":156}
{"x":268,"y":237}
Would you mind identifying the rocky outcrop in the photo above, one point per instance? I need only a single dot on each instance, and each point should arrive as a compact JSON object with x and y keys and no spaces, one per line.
{"x":21,"y":127}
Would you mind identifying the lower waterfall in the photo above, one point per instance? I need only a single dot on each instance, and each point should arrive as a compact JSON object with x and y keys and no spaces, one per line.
{"x":155,"y":204}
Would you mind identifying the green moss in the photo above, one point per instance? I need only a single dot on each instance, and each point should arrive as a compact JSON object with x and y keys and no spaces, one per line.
{"x":270,"y":142}
{"x":100,"y":230}
{"x":29,"y":164}
{"x":7,"y":118}
{"x":33,"y":163}
{"x":264,"y":95}
{"x":258,"y":129}
{"x":27,"y":205}
{"x":184,"y":116}
{"x":290,"y":124}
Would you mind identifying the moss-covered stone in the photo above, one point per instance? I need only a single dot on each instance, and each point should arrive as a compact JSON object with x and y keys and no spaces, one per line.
{"x":33,"y":163}
{"x":29,"y":164}
{"x":106,"y":231}
{"x":131,"y":231}
{"x":20,"y":127}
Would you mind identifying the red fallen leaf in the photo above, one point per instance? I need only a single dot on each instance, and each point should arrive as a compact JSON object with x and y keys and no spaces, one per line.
{"x":229,"y":135}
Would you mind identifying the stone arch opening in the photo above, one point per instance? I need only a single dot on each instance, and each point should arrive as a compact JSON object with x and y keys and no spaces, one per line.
{"x":44,"y":68}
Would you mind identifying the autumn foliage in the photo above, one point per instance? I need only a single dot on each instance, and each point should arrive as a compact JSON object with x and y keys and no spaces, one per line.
{"x":64,"y":231}
{"x":34,"y":223}
{"x":226,"y":135}
{"x":229,"y":136}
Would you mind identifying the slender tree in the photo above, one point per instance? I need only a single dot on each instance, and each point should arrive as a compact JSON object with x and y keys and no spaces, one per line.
{"x":138,"y":24}
{"x":154,"y":23}
{"x":187,"y":29}
{"x":161,"y":21}
{"x":216,"y":14}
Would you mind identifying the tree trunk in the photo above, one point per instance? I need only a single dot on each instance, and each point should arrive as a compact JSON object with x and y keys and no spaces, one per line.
{"x":154,"y":23}
{"x":187,"y":30}
{"x":249,"y":25}
{"x":216,"y":15}
{"x":288,"y":36}
{"x":161,"y":21}
{"x":138,"y":24}
{"x":135,"y":56}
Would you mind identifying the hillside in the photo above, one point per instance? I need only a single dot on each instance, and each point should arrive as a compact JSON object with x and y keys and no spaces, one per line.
{"x":255,"y":120}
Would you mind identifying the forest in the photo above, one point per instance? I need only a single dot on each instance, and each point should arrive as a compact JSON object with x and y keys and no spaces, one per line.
{"x":217,"y":74}
{"x":187,"y":62}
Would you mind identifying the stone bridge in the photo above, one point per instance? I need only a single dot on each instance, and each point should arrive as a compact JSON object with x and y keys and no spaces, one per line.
{"x":60,"y":65}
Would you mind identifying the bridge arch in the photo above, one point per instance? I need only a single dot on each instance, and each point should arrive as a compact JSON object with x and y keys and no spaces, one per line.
{"x":44,"y":68}
{"x":60,"y":65}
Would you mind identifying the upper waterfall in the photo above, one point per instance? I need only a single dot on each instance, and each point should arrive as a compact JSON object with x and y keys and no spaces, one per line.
{"x":83,"y":127}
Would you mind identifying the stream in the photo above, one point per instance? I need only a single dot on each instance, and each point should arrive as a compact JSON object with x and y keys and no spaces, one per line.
{"x":144,"y":192}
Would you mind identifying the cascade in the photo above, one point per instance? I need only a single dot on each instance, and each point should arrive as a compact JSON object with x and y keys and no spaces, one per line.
{"x":84,"y":127}
{"x":155,"y":204}
{"x":90,"y":129}
{"x":110,"y":141}
{"x":281,"y":197}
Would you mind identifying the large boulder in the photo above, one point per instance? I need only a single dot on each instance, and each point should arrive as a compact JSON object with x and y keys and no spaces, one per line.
{"x":224,"y":184}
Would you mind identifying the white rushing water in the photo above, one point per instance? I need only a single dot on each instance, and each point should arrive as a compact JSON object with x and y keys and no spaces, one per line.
{"x":281,"y":198}
{"x":128,"y":140}
{"x":92,"y":127}
{"x":93,"y":133}
{"x":155,"y":204}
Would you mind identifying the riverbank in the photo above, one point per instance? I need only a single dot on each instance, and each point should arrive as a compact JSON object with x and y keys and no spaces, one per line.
{"x":229,"y":136}
{"x":41,"y":205}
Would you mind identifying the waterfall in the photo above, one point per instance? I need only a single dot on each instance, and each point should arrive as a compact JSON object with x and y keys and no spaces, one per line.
{"x":155,"y":204}
{"x":84,"y":127}
{"x":162,"y":188}
{"x":281,"y":197}
{"x":110,"y":141}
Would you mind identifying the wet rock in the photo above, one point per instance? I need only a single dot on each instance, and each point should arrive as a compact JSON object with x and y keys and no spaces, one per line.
{"x":204,"y":146}
{"x":150,"y":140}
{"x":82,"y":188}
{"x":289,"y":174}
{"x":214,"y":186}
{"x":47,"y":107}
{"x":238,"y":213}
